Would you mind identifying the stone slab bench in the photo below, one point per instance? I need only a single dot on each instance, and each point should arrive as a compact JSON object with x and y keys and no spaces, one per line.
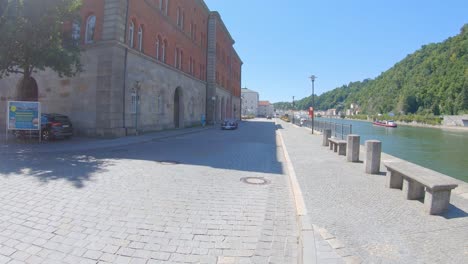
{"x":418,"y":182}
{"x":338,"y":145}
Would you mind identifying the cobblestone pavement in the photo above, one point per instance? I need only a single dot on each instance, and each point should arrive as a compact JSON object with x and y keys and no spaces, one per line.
{"x":371,"y":221}
{"x":173,"y":200}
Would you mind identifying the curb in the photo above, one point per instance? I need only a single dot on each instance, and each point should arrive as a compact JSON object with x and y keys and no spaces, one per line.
{"x":307,"y":247}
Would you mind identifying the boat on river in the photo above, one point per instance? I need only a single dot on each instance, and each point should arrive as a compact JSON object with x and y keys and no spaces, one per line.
{"x":385,"y":123}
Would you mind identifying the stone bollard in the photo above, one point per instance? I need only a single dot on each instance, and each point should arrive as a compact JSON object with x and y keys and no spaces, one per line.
{"x":373,"y":151}
{"x":326,"y":136}
{"x":352,"y":151}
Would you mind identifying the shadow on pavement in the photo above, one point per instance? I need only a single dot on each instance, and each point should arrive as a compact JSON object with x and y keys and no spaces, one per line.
{"x":454,"y":212}
{"x":251,"y":148}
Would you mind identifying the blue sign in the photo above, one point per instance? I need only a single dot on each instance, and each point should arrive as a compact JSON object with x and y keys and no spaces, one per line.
{"x":24,"y":115}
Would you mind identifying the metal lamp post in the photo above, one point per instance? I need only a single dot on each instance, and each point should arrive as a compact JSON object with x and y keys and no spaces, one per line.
{"x":293,"y":114}
{"x":313,"y":77}
{"x":214,"y":109}
{"x":136,"y":91}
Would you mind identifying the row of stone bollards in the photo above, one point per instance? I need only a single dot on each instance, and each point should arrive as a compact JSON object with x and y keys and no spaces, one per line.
{"x":373,"y":151}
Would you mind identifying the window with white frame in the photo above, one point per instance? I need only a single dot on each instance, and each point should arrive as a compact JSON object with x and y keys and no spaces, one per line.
{"x":90,"y":28}
{"x":166,"y":8}
{"x":158,"y":46}
{"x":190,"y":66}
{"x":181,"y":60}
{"x":164,"y":48}
{"x":133,"y":107}
{"x":131,"y":32}
{"x":178,"y":16}
{"x":140,"y":38}
{"x":182,"y":20}
{"x":76,"y":31}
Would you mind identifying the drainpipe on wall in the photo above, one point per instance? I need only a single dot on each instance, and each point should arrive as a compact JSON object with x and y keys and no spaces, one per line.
{"x":125,"y":68}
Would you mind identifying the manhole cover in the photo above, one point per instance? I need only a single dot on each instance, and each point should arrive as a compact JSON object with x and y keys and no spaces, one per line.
{"x":255,"y":180}
{"x":168,"y":162}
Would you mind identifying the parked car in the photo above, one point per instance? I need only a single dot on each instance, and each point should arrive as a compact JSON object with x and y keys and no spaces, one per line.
{"x":53,"y":126}
{"x":229,"y":124}
{"x":268,"y":117}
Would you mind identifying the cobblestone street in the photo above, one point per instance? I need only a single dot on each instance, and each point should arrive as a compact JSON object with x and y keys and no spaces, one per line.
{"x":170,"y":200}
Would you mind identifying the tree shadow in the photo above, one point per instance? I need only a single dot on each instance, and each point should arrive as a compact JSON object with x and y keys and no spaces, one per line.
{"x":252,"y":148}
{"x":76,"y":169}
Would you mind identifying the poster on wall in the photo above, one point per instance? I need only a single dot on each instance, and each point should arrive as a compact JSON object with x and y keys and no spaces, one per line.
{"x":23,"y":115}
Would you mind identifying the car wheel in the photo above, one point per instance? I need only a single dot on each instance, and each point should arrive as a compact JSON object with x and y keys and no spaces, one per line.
{"x":46,"y":135}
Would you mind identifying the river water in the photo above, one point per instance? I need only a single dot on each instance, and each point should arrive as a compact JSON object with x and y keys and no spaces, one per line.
{"x":441,"y":150}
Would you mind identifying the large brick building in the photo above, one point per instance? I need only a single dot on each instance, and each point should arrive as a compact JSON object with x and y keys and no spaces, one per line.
{"x":148,"y":65}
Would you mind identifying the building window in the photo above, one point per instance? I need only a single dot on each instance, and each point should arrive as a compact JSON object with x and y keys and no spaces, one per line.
{"x":164,"y":48}
{"x":181,"y":60}
{"x":160,"y":104}
{"x":131,"y":31}
{"x":195,"y":32}
{"x":133,"y":107}
{"x":161,"y":5}
{"x":183,"y":21}
{"x":166,"y":7}
{"x":76,"y":32}
{"x":90,"y":28}
{"x":191,"y":30}
{"x":179,"y":17}
{"x":158,"y":46}
{"x":140,"y":38}
{"x":190,"y":66}
{"x":176,"y":58}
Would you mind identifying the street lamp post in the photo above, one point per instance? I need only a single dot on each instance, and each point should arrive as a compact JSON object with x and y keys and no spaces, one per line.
{"x":313,"y":77}
{"x":293,"y":111}
{"x":136,"y":91}
{"x":214,"y":109}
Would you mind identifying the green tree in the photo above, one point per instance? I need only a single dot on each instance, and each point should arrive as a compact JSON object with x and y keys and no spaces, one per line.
{"x":35,"y":35}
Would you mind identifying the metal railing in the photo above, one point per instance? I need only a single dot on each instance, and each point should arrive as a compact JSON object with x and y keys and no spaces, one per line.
{"x":338,"y":130}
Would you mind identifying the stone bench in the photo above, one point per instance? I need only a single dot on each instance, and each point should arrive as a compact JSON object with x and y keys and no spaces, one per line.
{"x":337,"y":145}
{"x":418,"y":182}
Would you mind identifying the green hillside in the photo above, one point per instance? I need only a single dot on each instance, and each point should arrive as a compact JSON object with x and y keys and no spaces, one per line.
{"x":432,"y":80}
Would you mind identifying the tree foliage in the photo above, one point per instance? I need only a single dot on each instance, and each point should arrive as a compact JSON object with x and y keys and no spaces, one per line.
{"x":432,"y":80}
{"x":35,"y":36}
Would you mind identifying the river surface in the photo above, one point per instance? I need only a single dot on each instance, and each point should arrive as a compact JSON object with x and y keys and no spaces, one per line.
{"x":441,"y":150}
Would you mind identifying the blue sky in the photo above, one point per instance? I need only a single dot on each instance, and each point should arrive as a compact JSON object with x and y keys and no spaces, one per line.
{"x":283,"y":42}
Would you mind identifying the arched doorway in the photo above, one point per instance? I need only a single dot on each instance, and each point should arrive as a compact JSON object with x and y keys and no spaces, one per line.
{"x":27,"y":90}
{"x":178,"y":108}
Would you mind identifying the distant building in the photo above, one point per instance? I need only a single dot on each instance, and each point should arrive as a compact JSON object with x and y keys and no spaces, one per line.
{"x":331,"y":112}
{"x":249,"y":102}
{"x":265,"y":108}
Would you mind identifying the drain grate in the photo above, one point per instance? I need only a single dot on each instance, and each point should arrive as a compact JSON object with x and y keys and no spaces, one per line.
{"x":255,"y":180}
{"x":168,"y":162}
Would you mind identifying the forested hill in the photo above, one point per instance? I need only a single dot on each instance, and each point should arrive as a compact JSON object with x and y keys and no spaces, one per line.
{"x":433,"y":79}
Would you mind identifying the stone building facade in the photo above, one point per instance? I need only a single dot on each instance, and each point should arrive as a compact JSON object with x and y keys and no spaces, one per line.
{"x":250,"y":100}
{"x":265,"y":108}
{"x":148,"y":65}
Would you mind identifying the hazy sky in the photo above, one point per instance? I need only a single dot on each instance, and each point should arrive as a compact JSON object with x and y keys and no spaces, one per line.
{"x":283,"y":42}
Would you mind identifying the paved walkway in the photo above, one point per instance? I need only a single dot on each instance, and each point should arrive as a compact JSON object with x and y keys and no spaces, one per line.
{"x":361,"y":217}
{"x":172,"y":199}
